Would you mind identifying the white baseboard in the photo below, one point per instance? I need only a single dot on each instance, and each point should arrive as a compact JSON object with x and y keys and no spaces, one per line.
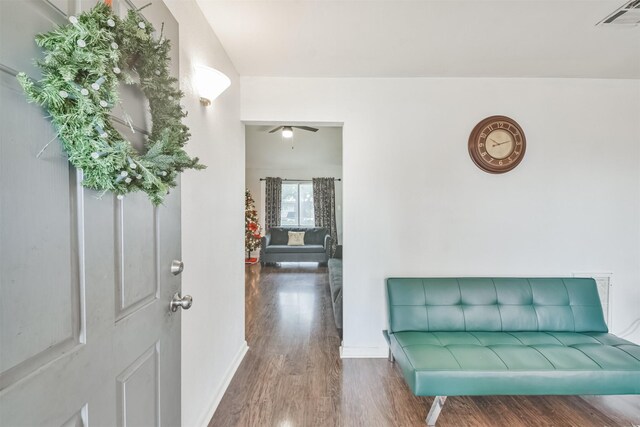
{"x":364,"y":352}
{"x":217,"y":397}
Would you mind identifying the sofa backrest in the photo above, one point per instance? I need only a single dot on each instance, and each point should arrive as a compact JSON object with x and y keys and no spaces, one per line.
{"x":312,"y":235}
{"x":494,"y":304}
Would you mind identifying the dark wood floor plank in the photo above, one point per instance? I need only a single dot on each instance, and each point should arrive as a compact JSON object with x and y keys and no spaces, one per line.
{"x":293,"y":376}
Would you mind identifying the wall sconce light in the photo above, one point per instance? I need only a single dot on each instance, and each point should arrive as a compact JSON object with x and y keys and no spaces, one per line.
{"x":210,"y":83}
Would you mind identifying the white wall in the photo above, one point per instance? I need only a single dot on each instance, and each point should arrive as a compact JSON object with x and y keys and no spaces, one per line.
{"x":212,"y":225}
{"x":309,"y":155}
{"x":416,"y":205}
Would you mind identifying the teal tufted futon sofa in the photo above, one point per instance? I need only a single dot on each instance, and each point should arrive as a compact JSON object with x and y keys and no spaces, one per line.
{"x":513,"y":336}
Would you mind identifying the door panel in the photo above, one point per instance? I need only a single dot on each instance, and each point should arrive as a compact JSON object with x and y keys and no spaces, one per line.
{"x":135,"y":385}
{"x":79,"y":419}
{"x":136,"y":110}
{"x":85,"y":284}
{"x":63,"y":6}
{"x":136,"y":253}
{"x":44,"y":302}
{"x":18,"y":19}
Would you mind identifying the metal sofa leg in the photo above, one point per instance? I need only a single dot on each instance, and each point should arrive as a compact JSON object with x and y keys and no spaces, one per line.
{"x":436,"y":407}
{"x":391,"y":358}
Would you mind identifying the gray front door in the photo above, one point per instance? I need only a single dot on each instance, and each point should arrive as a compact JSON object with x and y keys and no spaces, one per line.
{"x":86,"y":335}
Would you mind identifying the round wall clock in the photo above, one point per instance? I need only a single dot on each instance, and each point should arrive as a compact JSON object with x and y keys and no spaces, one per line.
{"x":497,"y":144}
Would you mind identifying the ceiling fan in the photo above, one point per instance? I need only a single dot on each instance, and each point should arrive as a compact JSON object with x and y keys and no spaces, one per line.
{"x":287,"y":131}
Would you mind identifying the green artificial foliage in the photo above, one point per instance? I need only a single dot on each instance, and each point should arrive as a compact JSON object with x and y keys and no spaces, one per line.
{"x":84,"y":61}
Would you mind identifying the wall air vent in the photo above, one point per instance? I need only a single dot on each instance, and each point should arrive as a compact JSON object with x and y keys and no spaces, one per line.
{"x":627,"y":15}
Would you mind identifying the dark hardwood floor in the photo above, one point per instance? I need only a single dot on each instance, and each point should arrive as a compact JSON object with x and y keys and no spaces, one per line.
{"x":293,"y":376}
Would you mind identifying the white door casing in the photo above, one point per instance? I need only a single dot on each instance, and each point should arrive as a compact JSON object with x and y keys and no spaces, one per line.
{"x":86,"y":335}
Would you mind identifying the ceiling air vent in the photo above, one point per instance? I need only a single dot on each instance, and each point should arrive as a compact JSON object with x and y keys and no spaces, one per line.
{"x":628,"y":14}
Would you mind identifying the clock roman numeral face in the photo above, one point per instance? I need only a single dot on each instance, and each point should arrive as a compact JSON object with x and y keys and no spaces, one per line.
{"x":497,"y":144}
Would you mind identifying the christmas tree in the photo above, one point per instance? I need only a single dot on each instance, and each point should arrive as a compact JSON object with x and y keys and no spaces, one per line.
{"x":251,"y":227}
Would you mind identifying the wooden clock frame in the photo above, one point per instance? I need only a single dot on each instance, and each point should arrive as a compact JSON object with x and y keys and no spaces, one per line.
{"x":477,"y":142}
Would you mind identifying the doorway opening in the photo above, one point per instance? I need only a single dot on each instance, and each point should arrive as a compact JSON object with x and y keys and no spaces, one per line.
{"x":294,"y":228}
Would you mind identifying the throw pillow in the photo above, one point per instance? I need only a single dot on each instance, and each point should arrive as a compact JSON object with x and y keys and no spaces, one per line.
{"x":296,"y":238}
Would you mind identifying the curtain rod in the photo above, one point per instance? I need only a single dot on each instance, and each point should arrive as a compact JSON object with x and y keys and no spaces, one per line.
{"x":300,"y":180}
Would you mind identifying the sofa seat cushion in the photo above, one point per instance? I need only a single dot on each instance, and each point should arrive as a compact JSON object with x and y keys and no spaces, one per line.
{"x":283,"y":249}
{"x":487,"y":363}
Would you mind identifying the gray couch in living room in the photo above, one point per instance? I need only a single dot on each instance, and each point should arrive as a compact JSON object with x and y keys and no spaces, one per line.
{"x":275,"y":248}
{"x":335,"y":285}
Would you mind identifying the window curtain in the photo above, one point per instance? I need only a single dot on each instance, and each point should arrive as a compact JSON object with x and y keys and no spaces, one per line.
{"x":273,"y":202}
{"x":324,"y":207}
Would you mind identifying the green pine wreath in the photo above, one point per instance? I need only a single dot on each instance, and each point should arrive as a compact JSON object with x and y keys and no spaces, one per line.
{"x":84,"y":61}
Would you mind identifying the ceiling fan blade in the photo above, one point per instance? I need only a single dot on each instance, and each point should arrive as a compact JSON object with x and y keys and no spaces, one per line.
{"x":310,"y":129}
{"x":276,"y":129}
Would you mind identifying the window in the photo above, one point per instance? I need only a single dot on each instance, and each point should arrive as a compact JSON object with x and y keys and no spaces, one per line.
{"x":297,"y":205}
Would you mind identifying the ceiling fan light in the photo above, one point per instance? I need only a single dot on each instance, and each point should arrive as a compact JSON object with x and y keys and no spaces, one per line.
{"x":287,"y":132}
